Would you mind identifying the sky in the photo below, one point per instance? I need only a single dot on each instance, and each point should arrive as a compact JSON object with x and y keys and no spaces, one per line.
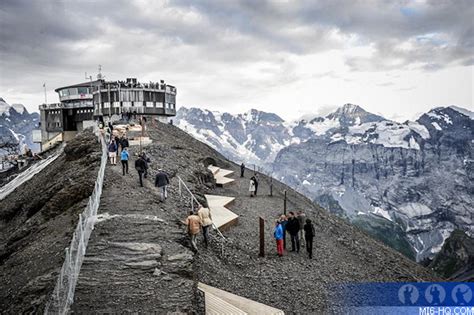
{"x":294,"y":58}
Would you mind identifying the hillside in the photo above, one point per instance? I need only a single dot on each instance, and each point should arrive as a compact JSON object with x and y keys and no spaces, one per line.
{"x":411,"y":179}
{"x":138,"y":253}
{"x":36,"y":225}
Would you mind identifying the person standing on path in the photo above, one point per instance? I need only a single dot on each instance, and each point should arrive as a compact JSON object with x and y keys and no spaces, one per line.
{"x":242,"y":169}
{"x":162,"y":181}
{"x":284,"y":222}
{"x":252,"y":187}
{"x":140,"y":166}
{"x":278,"y":234}
{"x":206,"y":219}
{"x":301,"y":219}
{"x":255,"y":179}
{"x":293,"y":228}
{"x":124,"y":156}
{"x":194,"y":224}
{"x":309,"y":235}
{"x":113,"y":152}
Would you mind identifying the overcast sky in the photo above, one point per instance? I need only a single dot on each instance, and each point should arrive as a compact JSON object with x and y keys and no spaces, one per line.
{"x":397,"y":58}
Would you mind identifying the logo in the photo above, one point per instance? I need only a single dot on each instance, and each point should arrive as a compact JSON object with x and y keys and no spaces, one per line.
{"x":408,"y":294}
{"x":461,"y":294}
{"x":435,"y":294}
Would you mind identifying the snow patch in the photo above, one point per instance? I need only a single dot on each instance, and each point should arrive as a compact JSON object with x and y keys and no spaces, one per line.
{"x":436,"y":125}
{"x":415,"y":209}
{"x":382,"y":212}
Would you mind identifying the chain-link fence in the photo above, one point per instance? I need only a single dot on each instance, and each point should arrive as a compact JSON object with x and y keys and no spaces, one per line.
{"x":63,"y":294}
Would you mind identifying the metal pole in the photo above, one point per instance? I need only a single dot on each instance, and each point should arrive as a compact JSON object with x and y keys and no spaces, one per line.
{"x":45,"y":95}
{"x":284,"y":204}
{"x":271,"y":186}
{"x":262,"y":237}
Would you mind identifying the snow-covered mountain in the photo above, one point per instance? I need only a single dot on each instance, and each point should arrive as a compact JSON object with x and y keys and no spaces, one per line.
{"x":16,"y":124}
{"x":409,"y":184}
{"x":252,"y":137}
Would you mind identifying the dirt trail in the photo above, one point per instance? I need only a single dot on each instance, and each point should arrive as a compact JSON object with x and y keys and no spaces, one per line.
{"x":134,"y":260}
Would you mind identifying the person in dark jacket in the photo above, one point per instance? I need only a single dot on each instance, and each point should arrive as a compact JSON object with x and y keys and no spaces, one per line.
{"x":308,"y":236}
{"x":242,"y":169}
{"x":301,"y":219}
{"x":113,"y":152}
{"x":124,"y":142}
{"x":140,"y":166}
{"x":162,"y":181}
{"x":254,"y":178}
{"x":147,"y":160}
{"x":293,"y":227}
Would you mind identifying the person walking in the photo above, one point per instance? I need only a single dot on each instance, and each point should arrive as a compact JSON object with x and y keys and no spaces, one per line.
{"x":124,"y":142}
{"x":140,"y":166}
{"x":252,"y":187}
{"x":293,"y":228}
{"x":162,"y":181}
{"x":301,"y":219}
{"x":113,"y":152}
{"x":124,"y":156}
{"x":146,"y":159}
{"x":309,"y":234}
{"x":242,"y":169}
{"x":194,"y":224}
{"x":278,"y":234}
{"x":206,"y":220}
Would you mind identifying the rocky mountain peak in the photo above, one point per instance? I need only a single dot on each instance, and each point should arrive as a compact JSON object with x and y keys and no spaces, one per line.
{"x":351,"y":114}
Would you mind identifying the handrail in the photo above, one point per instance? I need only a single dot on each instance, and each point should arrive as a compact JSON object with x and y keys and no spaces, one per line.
{"x":182,"y":183}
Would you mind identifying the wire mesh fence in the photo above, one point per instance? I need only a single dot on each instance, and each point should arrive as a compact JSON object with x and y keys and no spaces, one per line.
{"x":63,"y":294}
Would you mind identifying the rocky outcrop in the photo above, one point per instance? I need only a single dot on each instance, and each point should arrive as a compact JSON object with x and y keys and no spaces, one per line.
{"x":455,"y":260}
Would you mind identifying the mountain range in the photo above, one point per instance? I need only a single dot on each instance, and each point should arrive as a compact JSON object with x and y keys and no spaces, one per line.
{"x":16,"y":124}
{"x":409,"y":184}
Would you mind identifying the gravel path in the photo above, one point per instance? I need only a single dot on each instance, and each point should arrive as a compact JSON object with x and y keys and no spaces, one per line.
{"x":135,"y":261}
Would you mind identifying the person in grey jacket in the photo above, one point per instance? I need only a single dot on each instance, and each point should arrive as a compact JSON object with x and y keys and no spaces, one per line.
{"x":162,"y":181}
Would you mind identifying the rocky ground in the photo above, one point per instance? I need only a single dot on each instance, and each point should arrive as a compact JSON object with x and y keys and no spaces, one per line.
{"x":138,"y":257}
{"x":293,"y":283}
{"x":37,"y":221}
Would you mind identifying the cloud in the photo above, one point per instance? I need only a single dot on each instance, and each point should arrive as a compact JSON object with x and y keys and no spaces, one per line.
{"x":231,"y":50}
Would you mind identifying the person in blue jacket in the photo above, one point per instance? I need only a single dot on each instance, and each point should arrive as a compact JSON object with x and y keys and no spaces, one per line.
{"x":278,"y":234}
{"x":124,"y":156}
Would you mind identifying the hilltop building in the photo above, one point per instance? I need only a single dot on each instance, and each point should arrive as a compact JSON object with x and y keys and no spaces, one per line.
{"x":82,"y":104}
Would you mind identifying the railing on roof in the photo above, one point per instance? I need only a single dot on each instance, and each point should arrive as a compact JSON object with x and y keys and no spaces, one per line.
{"x":193,"y":199}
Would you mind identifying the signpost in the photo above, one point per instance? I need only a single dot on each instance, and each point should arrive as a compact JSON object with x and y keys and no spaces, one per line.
{"x":262,"y":237}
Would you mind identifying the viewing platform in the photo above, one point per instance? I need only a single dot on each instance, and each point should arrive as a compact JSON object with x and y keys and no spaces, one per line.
{"x":222,"y":302}
{"x":220,"y":175}
{"x":222,"y":217}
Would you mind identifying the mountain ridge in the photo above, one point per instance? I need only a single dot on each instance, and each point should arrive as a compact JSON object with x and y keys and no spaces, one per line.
{"x":345,"y":156}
